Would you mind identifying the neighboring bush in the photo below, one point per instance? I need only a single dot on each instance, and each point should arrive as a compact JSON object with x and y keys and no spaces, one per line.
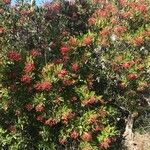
{"x":121,"y":62}
{"x":68,"y":69}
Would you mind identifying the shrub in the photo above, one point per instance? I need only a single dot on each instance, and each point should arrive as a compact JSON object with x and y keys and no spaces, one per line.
{"x":47,"y":95}
{"x":68,"y":69}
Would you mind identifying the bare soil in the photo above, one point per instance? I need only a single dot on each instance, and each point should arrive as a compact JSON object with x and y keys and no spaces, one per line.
{"x":141,"y":141}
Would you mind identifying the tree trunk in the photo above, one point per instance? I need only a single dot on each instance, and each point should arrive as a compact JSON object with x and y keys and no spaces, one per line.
{"x":128,"y":134}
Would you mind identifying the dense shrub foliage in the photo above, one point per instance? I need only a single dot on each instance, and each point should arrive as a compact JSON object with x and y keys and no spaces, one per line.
{"x":69,"y":69}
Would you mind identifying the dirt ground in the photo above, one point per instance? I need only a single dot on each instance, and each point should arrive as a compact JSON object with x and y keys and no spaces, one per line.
{"x":141,"y":141}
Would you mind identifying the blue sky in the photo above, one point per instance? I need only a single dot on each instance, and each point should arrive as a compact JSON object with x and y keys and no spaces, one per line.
{"x":38,"y":2}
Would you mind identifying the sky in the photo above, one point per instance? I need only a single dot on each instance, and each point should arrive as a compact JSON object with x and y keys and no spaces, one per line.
{"x":38,"y":2}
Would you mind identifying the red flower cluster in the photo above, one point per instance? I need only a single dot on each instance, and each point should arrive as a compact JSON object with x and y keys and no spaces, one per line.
{"x":62,"y":73}
{"x":132,"y":76}
{"x":29,"y":106}
{"x":26,"y":79}
{"x":114,"y":20}
{"x":142,"y":8}
{"x":147,"y":33}
{"x":1,"y":30}
{"x":87,"y":136}
{"x":14,"y":56}
{"x":87,"y":41}
{"x":138,"y":6}
{"x":67,"y":116}
{"x":90,"y":101}
{"x":98,"y":127}
{"x":138,"y":40}
{"x":119,"y":30}
{"x":127,"y":14}
{"x":52,"y":8}
{"x":25,"y":12}
{"x":35,"y":53}
{"x":122,"y":2}
{"x":74,"y":135}
{"x":7,"y":2}
{"x":93,"y":119}
{"x":104,"y":32}
{"x":126,"y":65}
{"x":75,"y":67}
{"x":64,"y":50}
{"x":68,"y":82}
{"x":98,"y":1}
{"x":29,"y":67}
{"x":40,"y":118}
{"x":92,"y":21}
{"x":62,"y":141}
{"x":43,"y":86}
{"x":101,"y":13}
{"x":73,"y":41}
{"x":65,"y":58}
{"x":50,"y":122}
{"x":39,"y":108}
{"x":58,"y":61}
{"x":105,"y":143}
